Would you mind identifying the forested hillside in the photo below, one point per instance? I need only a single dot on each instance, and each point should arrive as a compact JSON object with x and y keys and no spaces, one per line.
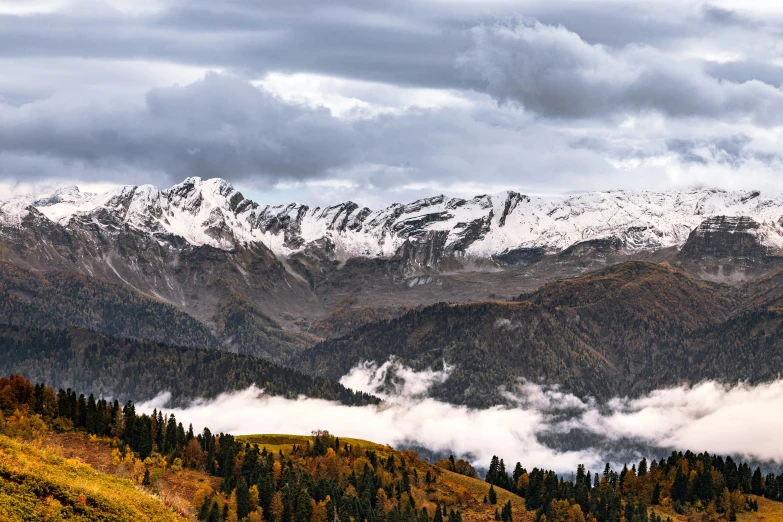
{"x":59,"y":299}
{"x":626,"y":329}
{"x":127,"y":368}
{"x":324,"y":478}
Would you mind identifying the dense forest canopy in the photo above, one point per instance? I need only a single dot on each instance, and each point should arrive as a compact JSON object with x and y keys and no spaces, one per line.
{"x":129,"y":368}
{"x":623,"y":330}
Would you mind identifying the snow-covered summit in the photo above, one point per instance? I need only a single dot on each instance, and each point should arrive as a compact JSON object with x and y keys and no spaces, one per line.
{"x":212,"y":212}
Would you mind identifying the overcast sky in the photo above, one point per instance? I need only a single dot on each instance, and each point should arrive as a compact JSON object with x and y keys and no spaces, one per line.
{"x":391,"y":100}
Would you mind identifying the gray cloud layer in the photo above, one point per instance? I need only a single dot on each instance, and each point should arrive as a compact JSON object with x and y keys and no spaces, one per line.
{"x":553,"y":72}
{"x":673,"y":92}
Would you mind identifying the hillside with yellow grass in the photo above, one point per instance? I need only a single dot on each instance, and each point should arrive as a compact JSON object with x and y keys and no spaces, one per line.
{"x":64,"y":457}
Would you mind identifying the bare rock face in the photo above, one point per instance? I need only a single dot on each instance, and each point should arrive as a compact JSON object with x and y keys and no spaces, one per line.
{"x":732,"y":247}
{"x":728,"y":238}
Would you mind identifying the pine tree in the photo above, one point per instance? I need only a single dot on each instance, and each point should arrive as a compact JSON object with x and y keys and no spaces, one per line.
{"x":91,"y":415}
{"x":656,"y":494}
{"x":438,"y":515}
{"x":680,"y":486}
{"x":505,"y":516}
{"x":756,"y":483}
{"x":170,"y":437}
{"x":643,"y":467}
{"x":492,"y":472}
{"x":492,"y":496}
{"x":243,"y":499}
{"x":146,"y":480}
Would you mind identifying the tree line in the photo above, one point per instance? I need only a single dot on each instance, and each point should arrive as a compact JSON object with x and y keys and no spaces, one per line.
{"x":715,"y":486}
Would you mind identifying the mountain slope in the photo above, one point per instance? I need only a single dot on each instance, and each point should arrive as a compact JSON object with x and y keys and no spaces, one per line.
{"x":59,"y":300}
{"x":490,"y":346}
{"x":37,"y":484}
{"x":125,"y":368}
{"x":265,"y":280}
{"x":626,"y":329}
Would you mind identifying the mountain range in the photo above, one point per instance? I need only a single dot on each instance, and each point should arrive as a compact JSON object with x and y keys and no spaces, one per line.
{"x":602,"y":293}
{"x":499,"y":227}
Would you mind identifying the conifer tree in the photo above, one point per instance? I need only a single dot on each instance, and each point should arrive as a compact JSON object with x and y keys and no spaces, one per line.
{"x":656,"y":494}
{"x":243,"y":499}
{"x":492,"y":496}
{"x":643,"y":467}
{"x":756,"y":483}
{"x":438,"y":515}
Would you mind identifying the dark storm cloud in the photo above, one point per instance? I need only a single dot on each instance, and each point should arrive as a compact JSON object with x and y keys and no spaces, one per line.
{"x":223,"y":126}
{"x":217,"y":126}
{"x":404,"y":42}
{"x":373,"y":41}
{"x":553,"y":72}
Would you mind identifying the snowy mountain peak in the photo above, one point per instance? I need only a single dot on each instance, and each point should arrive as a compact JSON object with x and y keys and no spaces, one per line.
{"x":212,"y":212}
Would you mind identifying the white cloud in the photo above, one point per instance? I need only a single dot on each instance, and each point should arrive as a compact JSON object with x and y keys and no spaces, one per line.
{"x":356,"y":99}
{"x":738,"y":420}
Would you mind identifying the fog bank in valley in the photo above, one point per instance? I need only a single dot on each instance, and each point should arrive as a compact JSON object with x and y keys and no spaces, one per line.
{"x":544,"y":427}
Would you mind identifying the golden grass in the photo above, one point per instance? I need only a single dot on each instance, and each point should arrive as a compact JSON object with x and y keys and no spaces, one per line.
{"x":176,"y":488}
{"x":277,"y":442}
{"x":39,"y":484}
{"x":769,"y":511}
{"x":478,"y":488}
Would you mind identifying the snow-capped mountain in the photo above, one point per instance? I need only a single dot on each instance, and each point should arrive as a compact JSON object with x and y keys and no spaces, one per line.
{"x":212,"y":212}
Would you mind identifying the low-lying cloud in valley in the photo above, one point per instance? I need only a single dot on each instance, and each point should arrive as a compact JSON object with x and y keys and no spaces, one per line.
{"x":542,"y":427}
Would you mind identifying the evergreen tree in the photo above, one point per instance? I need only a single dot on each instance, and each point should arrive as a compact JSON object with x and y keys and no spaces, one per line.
{"x":505,"y":516}
{"x":214,"y":513}
{"x":756,"y":483}
{"x":170,"y":437}
{"x":642,"y":467}
{"x":680,"y":486}
{"x":438,"y":515}
{"x":492,"y":472}
{"x":243,"y":499}
{"x":91,"y":415}
{"x":492,"y":496}
{"x":656,"y":494}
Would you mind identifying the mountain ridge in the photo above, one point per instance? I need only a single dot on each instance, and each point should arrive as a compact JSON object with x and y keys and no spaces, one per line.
{"x":213,"y":213}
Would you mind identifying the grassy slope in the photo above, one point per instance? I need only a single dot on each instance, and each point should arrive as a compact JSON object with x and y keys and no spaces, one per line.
{"x":48,"y":482}
{"x":38,"y":484}
{"x":769,"y":511}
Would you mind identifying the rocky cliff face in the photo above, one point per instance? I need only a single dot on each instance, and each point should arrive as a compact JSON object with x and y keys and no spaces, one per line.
{"x":730,"y":246}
